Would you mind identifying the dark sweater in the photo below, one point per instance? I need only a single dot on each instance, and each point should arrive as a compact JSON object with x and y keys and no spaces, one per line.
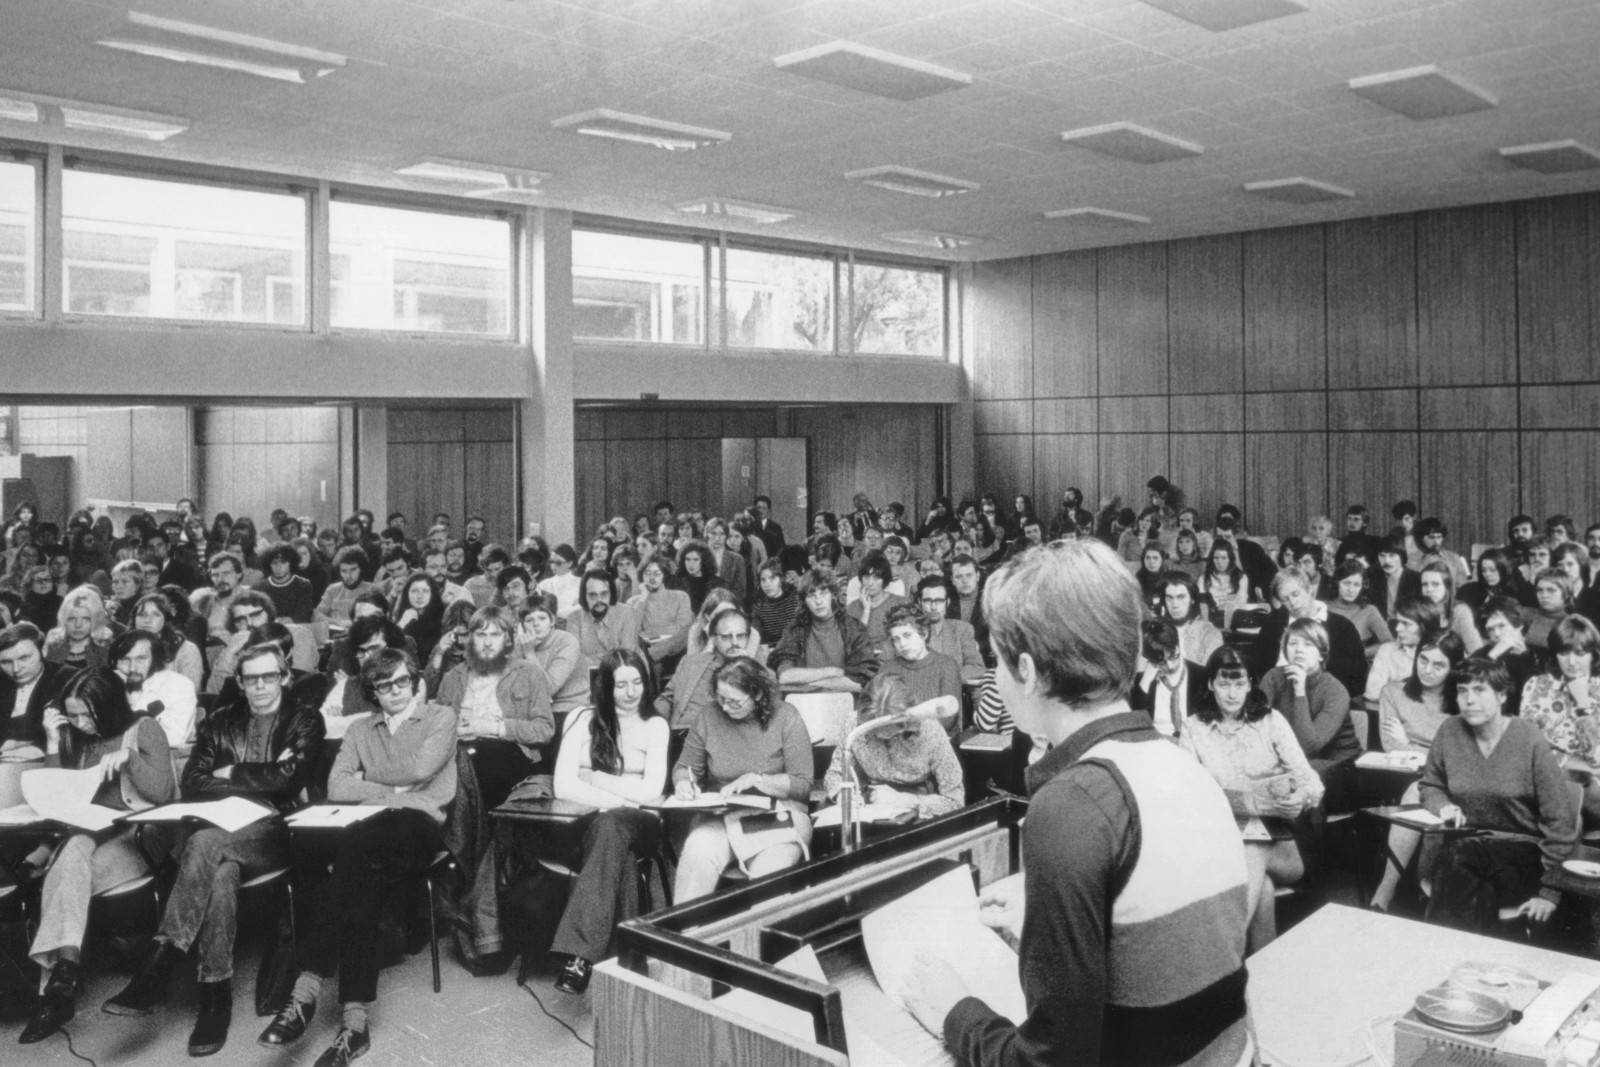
{"x":1519,"y":789}
{"x":294,"y":600}
{"x":1320,"y":719}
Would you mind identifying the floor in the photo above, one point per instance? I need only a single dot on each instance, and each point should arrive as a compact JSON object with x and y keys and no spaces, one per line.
{"x":482,"y":1021}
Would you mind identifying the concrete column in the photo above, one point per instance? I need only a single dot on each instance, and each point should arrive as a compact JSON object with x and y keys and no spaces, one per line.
{"x":961,"y":442}
{"x":549,"y":483}
{"x":372,"y":460}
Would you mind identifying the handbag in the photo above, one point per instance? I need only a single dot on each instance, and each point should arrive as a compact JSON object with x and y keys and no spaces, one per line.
{"x":751,"y":833}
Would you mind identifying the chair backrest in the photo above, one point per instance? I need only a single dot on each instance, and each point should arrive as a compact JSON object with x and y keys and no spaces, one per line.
{"x":828,"y":716}
{"x":1361,"y":719}
{"x":1478,"y":550}
{"x":306,"y":652}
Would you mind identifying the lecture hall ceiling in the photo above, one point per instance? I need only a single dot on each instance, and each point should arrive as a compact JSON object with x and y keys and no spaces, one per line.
{"x":483,"y":81}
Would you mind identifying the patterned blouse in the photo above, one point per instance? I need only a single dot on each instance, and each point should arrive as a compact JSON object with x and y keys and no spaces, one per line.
{"x":1548,"y":704}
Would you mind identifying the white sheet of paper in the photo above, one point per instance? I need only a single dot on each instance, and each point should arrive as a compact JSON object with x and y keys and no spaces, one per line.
{"x":230,"y":813}
{"x":862,"y":813}
{"x":18,"y":815}
{"x":332,"y":815}
{"x":1420,"y":816}
{"x":68,"y":797}
{"x":897,"y":933}
{"x":791,"y":1021}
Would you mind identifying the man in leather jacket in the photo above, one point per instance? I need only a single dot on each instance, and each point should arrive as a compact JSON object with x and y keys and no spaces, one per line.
{"x":261,"y":747}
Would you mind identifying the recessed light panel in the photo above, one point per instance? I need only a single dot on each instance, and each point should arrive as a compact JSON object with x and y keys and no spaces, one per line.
{"x":1422,"y":93}
{"x":13,"y":110}
{"x":1220,"y":15}
{"x":190,"y":42}
{"x":1553,"y":157}
{"x":61,"y":113}
{"x":640,"y":129}
{"x":1097,"y":216}
{"x":914,"y":182}
{"x":929,"y":239}
{"x":1299,"y":190}
{"x":479,"y":175}
{"x":1136,"y":144}
{"x":742,"y":210}
{"x":869,"y":70}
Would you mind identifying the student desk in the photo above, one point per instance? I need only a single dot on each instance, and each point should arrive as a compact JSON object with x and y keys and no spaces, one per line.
{"x":1316,"y":990}
{"x":731,"y":938}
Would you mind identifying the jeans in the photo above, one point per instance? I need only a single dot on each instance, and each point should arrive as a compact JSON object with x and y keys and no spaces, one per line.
{"x":606,"y":890}
{"x":204,"y":907}
{"x":80,"y":869}
{"x":374,"y":857}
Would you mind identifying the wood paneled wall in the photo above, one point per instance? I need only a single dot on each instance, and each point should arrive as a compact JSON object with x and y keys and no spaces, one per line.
{"x":1449,"y":357}
{"x":457,"y":460}
{"x":251,"y":460}
{"x":628,"y":458}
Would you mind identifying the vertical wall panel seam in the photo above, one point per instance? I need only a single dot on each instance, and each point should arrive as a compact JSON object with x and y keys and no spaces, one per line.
{"x":1416,"y":319}
{"x":1327,"y":385}
{"x":1516,"y":348}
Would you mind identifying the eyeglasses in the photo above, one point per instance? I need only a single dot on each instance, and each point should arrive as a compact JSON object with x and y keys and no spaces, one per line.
{"x":732,"y":703}
{"x":741,"y":636}
{"x":935,"y":601}
{"x":261,"y":681}
{"x":389,"y":685}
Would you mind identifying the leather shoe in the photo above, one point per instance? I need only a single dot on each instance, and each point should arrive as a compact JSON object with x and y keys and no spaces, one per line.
{"x":56,"y":1005}
{"x":348,"y":1045}
{"x":289,"y":1025}
{"x":149,"y":985}
{"x":210,"y":1031}
{"x":575,"y":975}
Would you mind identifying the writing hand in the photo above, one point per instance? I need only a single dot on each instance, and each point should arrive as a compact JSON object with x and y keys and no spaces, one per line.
{"x":932,"y":988}
{"x":889,"y":797}
{"x":686,"y":789}
{"x":1537,"y":909}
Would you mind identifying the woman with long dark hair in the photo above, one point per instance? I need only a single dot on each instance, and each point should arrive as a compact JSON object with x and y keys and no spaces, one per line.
{"x":613,"y":757}
{"x":154,"y":615}
{"x":1496,"y":576}
{"x":1350,"y":600}
{"x":1224,"y":581}
{"x":98,"y":730}
{"x":419,"y":612}
{"x":1438,"y":586}
{"x":697,"y":572}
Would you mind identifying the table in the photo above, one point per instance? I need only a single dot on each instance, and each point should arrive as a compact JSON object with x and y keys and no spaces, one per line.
{"x":545,"y":812}
{"x":1315,"y":991}
{"x":1388,"y":815}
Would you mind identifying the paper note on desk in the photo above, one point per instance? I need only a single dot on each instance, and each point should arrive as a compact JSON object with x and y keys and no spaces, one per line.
{"x":982,"y":742}
{"x":718,"y":800}
{"x":1420,"y":816}
{"x":896,"y":933}
{"x":1391,"y":761}
{"x":19,"y":815}
{"x":332,"y":815}
{"x":68,"y":797}
{"x":862,"y":813}
{"x":230,"y":813}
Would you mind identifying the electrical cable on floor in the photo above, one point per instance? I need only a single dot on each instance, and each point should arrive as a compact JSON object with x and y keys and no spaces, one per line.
{"x":66,"y":1034}
{"x":586,"y":1044}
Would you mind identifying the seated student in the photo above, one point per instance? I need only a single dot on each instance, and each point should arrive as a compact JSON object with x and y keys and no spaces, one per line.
{"x":690,"y":691}
{"x":1409,"y":715}
{"x":338,"y":600}
{"x":247,"y":610}
{"x":1437,"y":586}
{"x":1517,"y":791}
{"x":946,"y":633}
{"x":504,"y":722}
{"x":1504,"y":626}
{"x":1572,"y":559}
{"x":127,"y":583}
{"x":1350,"y":586}
{"x":613,"y":756}
{"x":1343,"y":657}
{"x":263,"y":748}
{"x":155,"y":614}
{"x":1170,"y":686}
{"x":717,"y":601}
{"x":481,"y":586}
{"x":1224,"y":583}
{"x":872,"y":606}
{"x":1555,"y":597}
{"x":83,"y":631}
{"x":601,"y":624}
{"x":930,"y":677}
{"x":555,"y":651}
{"x":154,"y":691}
{"x":1562,"y":700}
{"x":346,"y":701}
{"x":289,"y":592}
{"x":774,"y":604}
{"x":1243,"y":742}
{"x":1064,"y":625}
{"x":1408,"y":622}
{"x":419,"y":612}
{"x":513,"y":587}
{"x":1317,"y":707}
{"x":664,"y":614}
{"x":906,"y":762}
{"x":99,"y":730}
{"x":824,"y":648}
{"x":1496,"y":577}
{"x":903,"y":576}
{"x":563,"y":582}
{"x":1535,"y":560}
{"x":753,"y":741}
{"x":1393,"y":581}
{"x":451,"y":651}
{"x":1180,"y":602}
{"x":28,"y":686}
{"x":404,"y":762}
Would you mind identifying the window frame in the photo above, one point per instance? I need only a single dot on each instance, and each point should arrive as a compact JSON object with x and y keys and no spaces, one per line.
{"x":34,"y":270}
{"x":707,"y":245}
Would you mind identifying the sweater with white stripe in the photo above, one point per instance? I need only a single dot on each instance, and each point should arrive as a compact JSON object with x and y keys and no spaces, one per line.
{"x":1132,"y":948}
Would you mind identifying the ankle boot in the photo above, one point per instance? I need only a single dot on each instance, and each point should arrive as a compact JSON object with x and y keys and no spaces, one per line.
{"x":56,"y":1005}
{"x":149,"y":985}
{"x":216,"y":1013}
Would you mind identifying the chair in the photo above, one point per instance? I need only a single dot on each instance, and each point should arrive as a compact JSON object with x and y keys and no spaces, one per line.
{"x":307,"y":651}
{"x":282,"y":880}
{"x":1362,"y":721}
{"x":442,"y":864}
{"x":827,"y":715}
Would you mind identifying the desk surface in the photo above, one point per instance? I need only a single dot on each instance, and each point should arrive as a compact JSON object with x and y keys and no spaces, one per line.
{"x":1315,"y":990}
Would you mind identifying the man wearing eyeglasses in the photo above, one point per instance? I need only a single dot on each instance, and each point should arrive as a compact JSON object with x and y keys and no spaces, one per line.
{"x":404,"y":762}
{"x":261,"y":747}
{"x":247,"y":610}
{"x":951,"y":636}
{"x":690,"y":691}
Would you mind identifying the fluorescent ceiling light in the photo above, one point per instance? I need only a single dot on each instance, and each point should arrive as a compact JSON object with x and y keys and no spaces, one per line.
{"x":915,"y":182}
{"x":14,"y":110}
{"x":1422,"y":93}
{"x":61,"y":113}
{"x":929,"y":239}
{"x":484,"y":179}
{"x":1136,"y":144}
{"x":871,"y":70}
{"x":243,"y":52}
{"x":1299,"y":190}
{"x":640,"y":129}
{"x":1553,"y":157}
{"x":743,"y":210}
{"x":1097,"y":215}
{"x":1220,"y":15}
